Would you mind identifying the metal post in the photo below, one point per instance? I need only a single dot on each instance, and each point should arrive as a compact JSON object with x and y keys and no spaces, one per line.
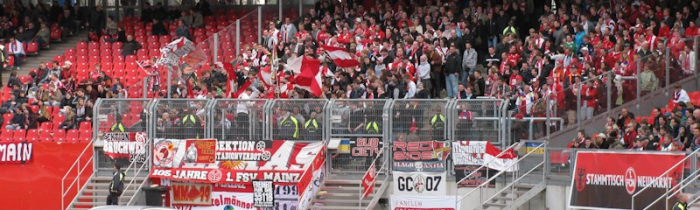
{"x":668,"y":70}
{"x":301,"y":8}
{"x":279,"y":4}
{"x":609,"y":84}
{"x":530,"y":130}
{"x":547,"y":123}
{"x":259,"y":24}
{"x":238,"y":37}
{"x":170,"y":80}
{"x":216,"y":47}
{"x":145,"y":87}
{"x":639,"y":82}
{"x":578,"y":104}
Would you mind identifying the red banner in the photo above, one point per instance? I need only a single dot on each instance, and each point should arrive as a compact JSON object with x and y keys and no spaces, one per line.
{"x":195,"y":194}
{"x":622,"y":175}
{"x":368,"y":181}
{"x":201,"y":151}
{"x":16,"y":152}
{"x":50,"y":161}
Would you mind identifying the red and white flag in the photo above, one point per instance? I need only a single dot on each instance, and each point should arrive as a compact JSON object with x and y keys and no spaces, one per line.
{"x":294,"y":64}
{"x":265,"y":75}
{"x":503,"y":162}
{"x":309,"y":77}
{"x":341,"y":57}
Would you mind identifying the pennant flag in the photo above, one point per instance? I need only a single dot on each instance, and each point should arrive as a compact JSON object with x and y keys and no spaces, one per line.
{"x":505,"y":162}
{"x":341,"y":57}
{"x":284,"y":90}
{"x":228,"y":67}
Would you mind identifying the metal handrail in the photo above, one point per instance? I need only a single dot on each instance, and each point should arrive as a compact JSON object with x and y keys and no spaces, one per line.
{"x":516,"y":180}
{"x":133,"y":165}
{"x":376,"y":199}
{"x":481,"y":186}
{"x":76,"y":163}
{"x":487,"y":163}
{"x":679,"y":185}
{"x":665,"y":174}
{"x":376,"y":170}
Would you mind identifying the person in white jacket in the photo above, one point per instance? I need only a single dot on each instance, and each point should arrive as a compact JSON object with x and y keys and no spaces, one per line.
{"x":288,"y":31}
{"x":424,"y":72}
{"x":468,"y":62}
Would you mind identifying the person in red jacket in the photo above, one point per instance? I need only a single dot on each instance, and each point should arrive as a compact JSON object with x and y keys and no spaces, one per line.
{"x":588,"y":99}
{"x":630,"y":135}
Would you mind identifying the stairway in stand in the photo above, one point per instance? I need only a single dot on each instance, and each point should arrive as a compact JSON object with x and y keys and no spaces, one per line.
{"x":46,"y":55}
{"x":97,"y":189}
{"x":343,"y":193}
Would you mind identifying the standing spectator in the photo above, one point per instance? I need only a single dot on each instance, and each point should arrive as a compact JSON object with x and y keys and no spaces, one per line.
{"x":468,"y":62}
{"x":648,"y":81}
{"x":452,"y":68}
{"x":589,"y":95}
{"x":158,"y":28}
{"x":96,"y":20}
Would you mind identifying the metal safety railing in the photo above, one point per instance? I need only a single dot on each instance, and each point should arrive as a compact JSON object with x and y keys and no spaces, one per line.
{"x":79,"y":166}
{"x":372,"y":169}
{"x":516,"y":176}
{"x":482,"y":119}
{"x":670,"y":191}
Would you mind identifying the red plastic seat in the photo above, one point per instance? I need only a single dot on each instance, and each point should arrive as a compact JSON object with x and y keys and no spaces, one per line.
{"x":85,"y":136}
{"x":59,"y":135}
{"x":58,"y":58}
{"x":32,"y":48}
{"x":45,"y":135}
{"x":56,"y":35}
{"x":85,"y":125}
{"x":7,"y":117}
{"x":32,"y":135}
{"x":81,"y":45}
{"x":72,"y":135}
{"x":6,"y":135}
{"x":94,"y":46}
{"x":19,"y":135}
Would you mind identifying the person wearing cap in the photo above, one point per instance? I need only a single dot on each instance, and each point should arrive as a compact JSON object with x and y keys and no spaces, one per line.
{"x":288,"y":126}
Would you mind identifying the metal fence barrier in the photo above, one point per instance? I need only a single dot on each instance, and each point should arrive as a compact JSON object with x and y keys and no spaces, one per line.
{"x":118,"y":115}
{"x":420,"y":120}
{"x":234,"y":119}
{"x":478,"y":119}
{"x":181,"y":118}
{"x":352,"y":119}
{"x":296,"y":119}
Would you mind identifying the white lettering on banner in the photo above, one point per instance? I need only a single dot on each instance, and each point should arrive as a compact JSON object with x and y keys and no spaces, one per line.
{"x":116,"y":136}
{"x":232,"y":186}
{"x":225,"y":200}
{"x":161,"y":172}
{"x":189,"y":174}
{"x":16,"y":152}
{"x":238,"y":146}
{"x":281,"y":176}
{"x":124,"y":147}
{"x":230,"y":200}
{"x":240,"y":156}
{"x":619,"y":180}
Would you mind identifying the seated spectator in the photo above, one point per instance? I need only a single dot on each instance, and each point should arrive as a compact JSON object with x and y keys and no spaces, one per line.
{"x":182,"y":30}
{"x":43,"y":36}
{"x":70,"y":121}
{"x":130,"y":46}
{"x":158,"y":28}
{"x":80,"y":111}
{"x":43,"y":113}
{"x":197,"y":19}
{"x":16,"y":49}
{"x":111,"y":27}
{"x":17,"y":121}
{"x":14,"y":80}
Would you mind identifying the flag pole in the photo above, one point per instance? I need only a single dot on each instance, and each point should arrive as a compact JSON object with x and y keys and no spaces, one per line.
{"x":275,"y":68}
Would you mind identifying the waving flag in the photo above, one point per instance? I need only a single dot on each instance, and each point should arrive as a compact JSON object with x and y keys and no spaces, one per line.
{"x":341,"y":57}
{"x":503,"y":162}
{"x":265,"y":76}
{"x":309,"y":77}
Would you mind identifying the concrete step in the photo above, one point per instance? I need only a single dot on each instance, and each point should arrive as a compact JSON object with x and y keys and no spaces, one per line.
{"x":348,"y":182}
{"x":46,"y":55}
{"x":94,"y":203}
{"x":490,"y":204}
{"x":346,"y":201}
{"x":105,"y":191}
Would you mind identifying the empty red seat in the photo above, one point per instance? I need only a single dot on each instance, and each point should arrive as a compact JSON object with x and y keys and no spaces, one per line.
{"x":72,"y":135}
{"x":32,"y":135}
{"x":56,"y":35}
{"x":81,"y":45}
{"x":6,"y":135}
{"x":85,"y":125}
{"x":7,"y":117}
{"x":58,"y":58}
{"x":85,"y":135}
{"x":45,"y":135}
{"x":32,"y":48}
{"x":59,"y":134}
{"x":19,"y":135}
{"x":93,"y":46}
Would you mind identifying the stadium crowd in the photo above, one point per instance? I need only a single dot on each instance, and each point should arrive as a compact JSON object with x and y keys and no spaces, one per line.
{"x":535,"y":53}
